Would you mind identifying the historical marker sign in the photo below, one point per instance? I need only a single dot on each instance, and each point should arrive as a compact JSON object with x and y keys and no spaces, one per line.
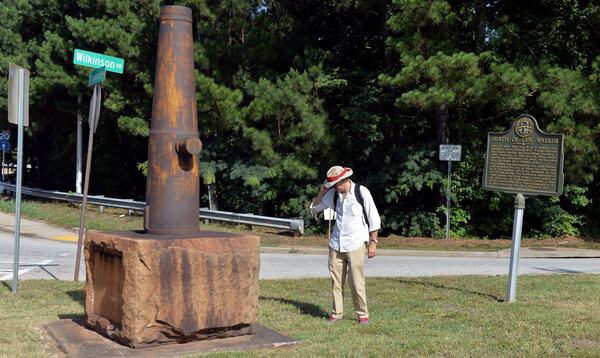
{"x":524,"y":160}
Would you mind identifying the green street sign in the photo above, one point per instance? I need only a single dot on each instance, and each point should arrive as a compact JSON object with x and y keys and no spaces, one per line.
{"x":96,"y":60}
{"x":96,"y":76}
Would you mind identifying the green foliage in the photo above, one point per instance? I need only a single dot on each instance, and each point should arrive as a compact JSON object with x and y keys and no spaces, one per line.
{"x":287,"y":89}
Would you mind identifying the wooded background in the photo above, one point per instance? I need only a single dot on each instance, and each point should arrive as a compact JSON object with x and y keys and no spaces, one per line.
{"x":286,"y":89}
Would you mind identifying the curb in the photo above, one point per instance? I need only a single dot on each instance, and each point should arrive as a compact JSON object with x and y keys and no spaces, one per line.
{"x":526,"y":252}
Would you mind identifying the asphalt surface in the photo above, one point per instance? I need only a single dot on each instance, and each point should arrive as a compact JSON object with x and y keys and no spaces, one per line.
{"x":48,"y":252}
{"x":52,"y":259}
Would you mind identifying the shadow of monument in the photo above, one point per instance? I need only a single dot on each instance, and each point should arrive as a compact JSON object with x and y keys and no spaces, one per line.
{"x":305,"y":308}
{"x":77,"y":296}
{"x":77,"y":318}
{"x":459,"y":289}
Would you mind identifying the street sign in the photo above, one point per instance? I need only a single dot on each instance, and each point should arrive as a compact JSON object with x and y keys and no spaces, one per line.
{"x":450,"y":152}
{"x":328,"y":214}
{"x":18,"y":88}
{"x":4,"y":136}
{"x":95,"y":104}
{"x":5,"y":146}
{"x":97,"y":60}
{"x":96,"y":76}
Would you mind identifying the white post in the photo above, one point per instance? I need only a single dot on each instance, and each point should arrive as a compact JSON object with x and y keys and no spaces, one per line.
{"x":516,"y":246}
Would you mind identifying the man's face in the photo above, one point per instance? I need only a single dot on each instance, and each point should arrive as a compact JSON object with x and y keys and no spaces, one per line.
{"x":342,"y":186}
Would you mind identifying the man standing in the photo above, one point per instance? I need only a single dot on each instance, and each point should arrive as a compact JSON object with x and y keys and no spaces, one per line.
{"x":354,"y":235}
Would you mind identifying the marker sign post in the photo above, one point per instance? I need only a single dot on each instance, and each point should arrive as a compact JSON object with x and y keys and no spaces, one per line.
{"x":523,"y":161}
{"x":450,"y":153}
{"x":18,"y":113}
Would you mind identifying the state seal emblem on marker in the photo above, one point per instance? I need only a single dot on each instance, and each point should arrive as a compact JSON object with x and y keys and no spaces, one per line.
{"x":524,"y":127}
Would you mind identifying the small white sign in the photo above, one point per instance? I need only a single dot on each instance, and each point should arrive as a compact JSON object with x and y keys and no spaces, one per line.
{"x":329,"y":214}
{"x":450,"y":152}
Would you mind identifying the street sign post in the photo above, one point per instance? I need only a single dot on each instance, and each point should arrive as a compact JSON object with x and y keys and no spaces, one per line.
{"x":93,"y":119}
{"x":101,"y":63}
{"x":97,"y":60}
{"x":450,"y":153}
{"x":18,"y":113}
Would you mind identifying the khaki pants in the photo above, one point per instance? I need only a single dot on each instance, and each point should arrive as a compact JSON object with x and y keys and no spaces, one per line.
{"x":350,"y":264}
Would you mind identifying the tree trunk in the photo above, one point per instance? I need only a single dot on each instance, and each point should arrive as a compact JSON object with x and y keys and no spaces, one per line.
{"x":441,"y":124}
{"x":383,"y":12}
{"x":442,"y":136}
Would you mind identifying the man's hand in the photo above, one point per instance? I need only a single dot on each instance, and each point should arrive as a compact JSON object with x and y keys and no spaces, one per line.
{"x":317,"y":200}
{"x":372,"y":250}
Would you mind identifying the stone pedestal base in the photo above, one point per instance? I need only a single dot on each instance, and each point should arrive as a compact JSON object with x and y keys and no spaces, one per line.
{"x":144,"y":290}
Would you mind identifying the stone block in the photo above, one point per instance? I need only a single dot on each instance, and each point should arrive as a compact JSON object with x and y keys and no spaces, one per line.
{"x":144,"y":290}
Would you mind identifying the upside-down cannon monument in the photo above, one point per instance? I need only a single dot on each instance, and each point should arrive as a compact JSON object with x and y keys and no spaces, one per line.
{"x":172,"y":282}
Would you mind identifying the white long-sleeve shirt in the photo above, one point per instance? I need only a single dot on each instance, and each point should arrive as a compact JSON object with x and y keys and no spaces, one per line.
{"x":350,"y":230}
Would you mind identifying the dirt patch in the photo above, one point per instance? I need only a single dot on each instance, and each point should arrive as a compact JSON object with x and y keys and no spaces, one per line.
{"x":585,"y":343}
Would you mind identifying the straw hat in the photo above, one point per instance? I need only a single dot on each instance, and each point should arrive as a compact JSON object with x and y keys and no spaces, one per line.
{"x":336,"y":174}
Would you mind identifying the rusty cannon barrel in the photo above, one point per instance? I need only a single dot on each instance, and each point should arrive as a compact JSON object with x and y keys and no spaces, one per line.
{"x":173,"y":187}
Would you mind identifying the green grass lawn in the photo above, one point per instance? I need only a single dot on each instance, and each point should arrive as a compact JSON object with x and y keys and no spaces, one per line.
{"x":554,"y":316}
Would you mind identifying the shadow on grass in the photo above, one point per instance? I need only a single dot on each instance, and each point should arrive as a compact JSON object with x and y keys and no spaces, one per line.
{"x":557,"y":270}
{"x":77,"y":296}
{"x":459,"y":289}
{"x":5,"y":284}
{"x":305,"y":308}
{"x":78,"y":318}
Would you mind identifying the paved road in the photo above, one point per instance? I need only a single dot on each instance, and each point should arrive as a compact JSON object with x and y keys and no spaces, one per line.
{"x":39,"y":258}
{"x":49,"y":259}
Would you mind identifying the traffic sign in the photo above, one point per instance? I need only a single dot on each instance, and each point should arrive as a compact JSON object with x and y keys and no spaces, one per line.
{"x":5,"y":146}
{"x":97,"y":60}
{"x":96,"y":76}
{"x":18,"y":94}
{"x":450,"y":152}
{"x":4,"y":136}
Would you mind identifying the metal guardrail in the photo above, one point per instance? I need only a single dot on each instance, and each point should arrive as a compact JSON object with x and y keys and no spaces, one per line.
{"x":296,"y":225}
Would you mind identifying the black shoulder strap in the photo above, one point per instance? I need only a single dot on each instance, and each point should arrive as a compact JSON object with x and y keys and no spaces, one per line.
{"x":359,"y":198}
{"x":334,"y":200}
{"x":361,"y":201}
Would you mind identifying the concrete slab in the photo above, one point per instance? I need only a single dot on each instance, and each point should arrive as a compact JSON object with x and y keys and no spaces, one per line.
{"x":76,"y":341}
